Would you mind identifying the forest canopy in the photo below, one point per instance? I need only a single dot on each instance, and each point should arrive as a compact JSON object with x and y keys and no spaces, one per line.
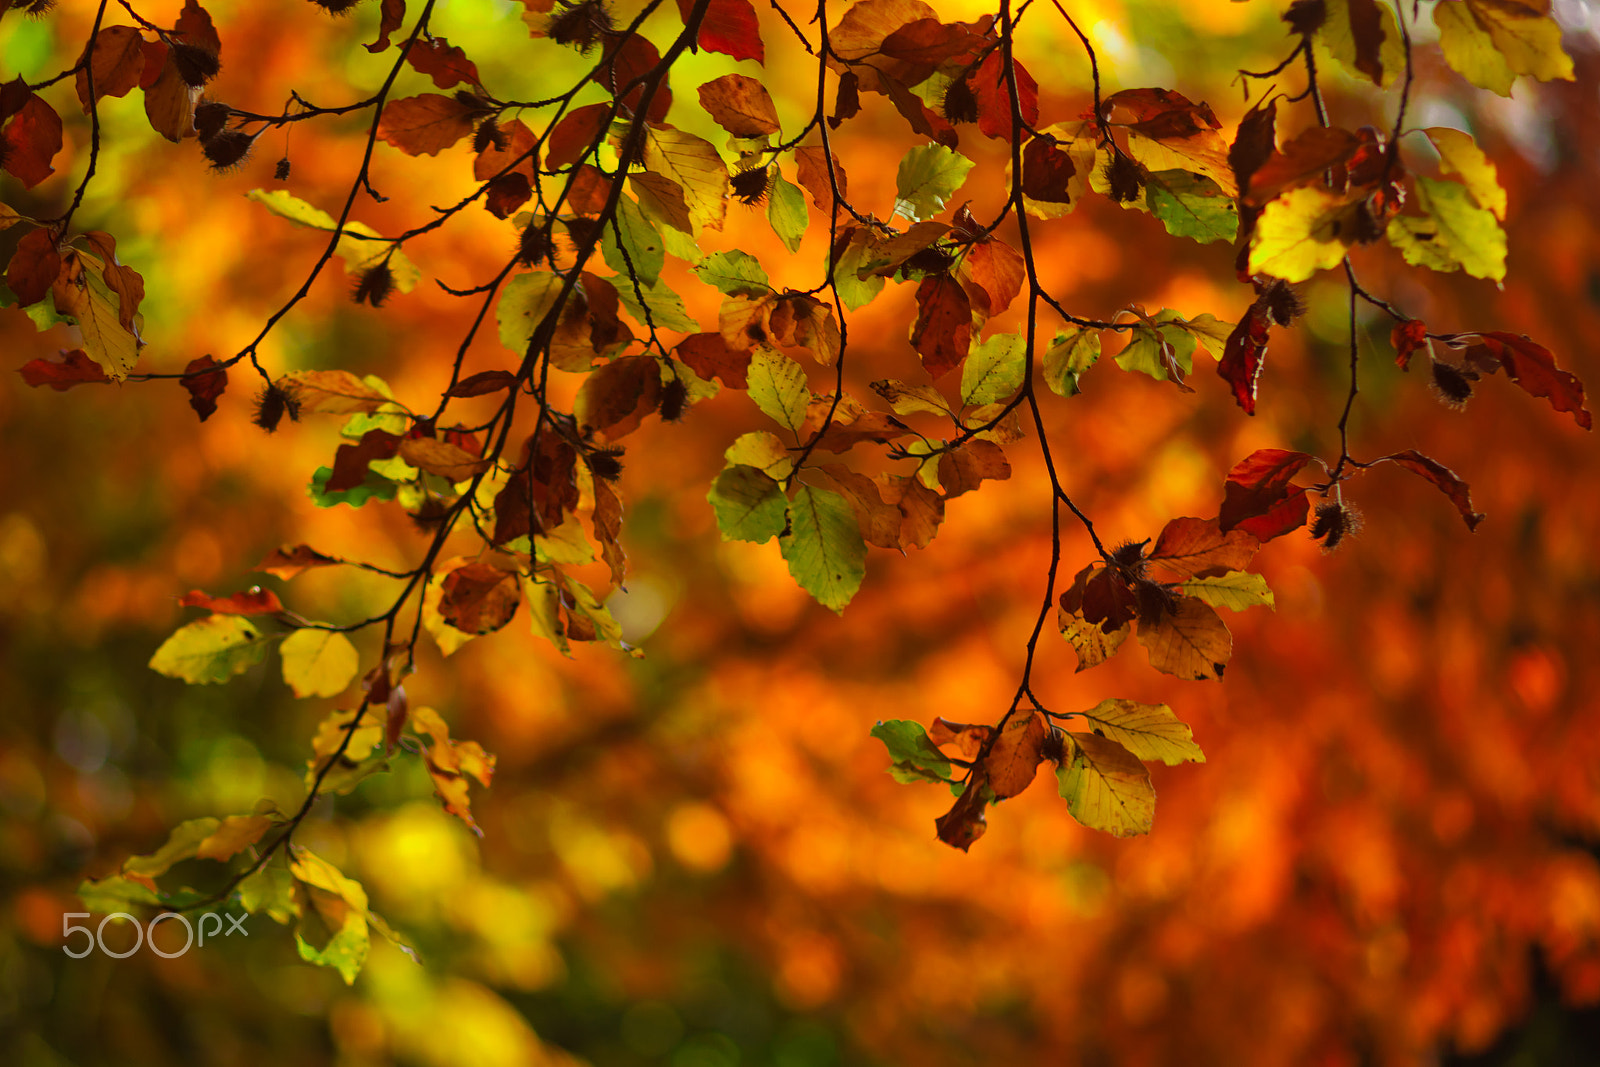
{"x":501,"y":483}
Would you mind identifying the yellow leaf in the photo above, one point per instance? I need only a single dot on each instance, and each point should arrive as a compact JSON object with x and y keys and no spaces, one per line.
{"x":1149,"y":731}
{"x":1490,"y":42}
{"x":318,"y":663}
{"x":1303,"y":231}
{"x":1454,"y":234}
{"x":236,"y":833}
{"x":1106,"y":787}
{"x":212,"y":649}
{"x":333,"y":392}
{"x":694,"y":164}
{"x":1460,"y":155}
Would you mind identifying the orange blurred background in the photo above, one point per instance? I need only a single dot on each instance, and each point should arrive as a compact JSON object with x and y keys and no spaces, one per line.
{"x":696,"y":858}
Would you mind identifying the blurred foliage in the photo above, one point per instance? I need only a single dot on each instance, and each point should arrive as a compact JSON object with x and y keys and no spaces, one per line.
{"x":695,"y":858}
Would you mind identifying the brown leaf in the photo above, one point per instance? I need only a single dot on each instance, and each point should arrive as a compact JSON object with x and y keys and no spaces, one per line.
{"x":627,"y":62}
{"x":478,"y":598}
{"x":615,"y":398}
{"x":64,"y":371}
{"x":1303,"y":160}
{"x":607,"y":522}
{"x":921,"y":509}
{"x":288,"y":561}
{"x":117,"y":64}
{"x":1408,"y":337}
{"x":968,"y":739}
{"x":943,"y":333}
{"x":1198,"y":548}
{"x":391,"y":15}
{"x":576,"y":134}
{"x":1089,"y":640}
{"x":32,"y":139}
{"x":803,"y":321}
{"x":1366,"y":27}
{"x":169,"y":101}
{"x":1255,"y":142}
{"x":446,"y":64}
{"x":996,"y":271}
{"x":1448,"y":482}
{"x":663,"y":199}
{"x":961,"y":469}
{"x":811,"y":171}
{"x":1046,"y":171}
{"x":1014,"y":760}
{"x":350,"y":461}
{"x":427,"y":124}
{"x":847,"y":100}
{"x":1190,"y":641}
{"x":507,"y":193}
{"x":519,"y":142}
{"x":195,"y":27}
{"x":740,"y":104}
{"x":256,"y":601}
{"x":34,"y":266}
{"x":1532,"y":366}
{"x":122,"y":280}
{"x":450,"y":462}
{"x":879,"y":521}
{"x":204,"y":384}
{"x":483,"y":383}
{"x":844,"y":434}
{"x":709,"y":355}
{"x":1285,"y":516}
{"x":964,"y":822}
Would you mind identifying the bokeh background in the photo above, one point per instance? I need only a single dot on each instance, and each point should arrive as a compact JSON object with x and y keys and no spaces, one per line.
{"x":695,"y":858}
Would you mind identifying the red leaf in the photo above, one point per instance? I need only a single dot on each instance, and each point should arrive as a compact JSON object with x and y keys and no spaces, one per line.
{"x":427,"y":124}
{"x":204,"y":385}
{"x":628,"y":62}
{"x":1532,"y":366}
{"x":34,"y":266}
{"x":483,"y":383}
{"x":32,"y":137}
{"x":63,"y":372}
{"x":708,"y":355}
{"x":576,"y":134}
{"x":811,"y":171}
{"x":1301,"y":161}
{"x":287,"y":561}
{"x":1013,"y":761}
{"x":507,"y":193}
{"x":729,"y":27}
{"x":943,"y":332}
{"x":964,"y":822}
{"x":519,"y":147}
{"x":1162,"y":114}
{"x":1407,"y":338}
{"x":1449,"y":483}
{"x":1198,"y":548}
{"x":1286,"y":515}
{"x":350,"y":461}
{"x":195,"y":25}
{"x":117,"y":65}
{"x":442,"y":61}
{"x":257,"y":601}
{"x":1046,"y":170}
{"x":876,"y":426}
{"x":998,"y":271}
{"x":390,"y":16}
{"x":994,"y":96}
{"x":1259,"y":483}
{"x":1243,"y":354}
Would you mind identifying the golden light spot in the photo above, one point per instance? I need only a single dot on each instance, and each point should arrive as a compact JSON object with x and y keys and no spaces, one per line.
{"x":699,"y":837}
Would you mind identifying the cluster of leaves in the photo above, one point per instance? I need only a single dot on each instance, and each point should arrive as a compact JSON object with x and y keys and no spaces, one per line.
{"x":601,"y":194}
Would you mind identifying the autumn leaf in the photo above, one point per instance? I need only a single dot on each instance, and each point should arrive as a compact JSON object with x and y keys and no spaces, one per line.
{"x":749,"y":504}
{"x":1533,"y":367}
{"x":823,"y":546}
{"x":429,"y":123}
{"x":64,"y":371}
{"x":452,"y":763}
{"x":1149,"y":731}
{"x":1190,"y":641}
{"x":1301,"y":232}
{"x":1106,"y":787}
{"x":777,"y":384}
{"x":928,"y":176}
{"x":740,"y":104}
{"x":914,"y":758}
{"x":210,"y":650}
{"x":942,"y":334}
{"x":255,"y":601}
{"x":318,"y":663}
{"x":1015,"y":756}
{"x":1445,"y":479}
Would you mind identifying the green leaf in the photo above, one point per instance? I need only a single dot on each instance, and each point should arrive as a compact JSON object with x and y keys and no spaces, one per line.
{"x":640,"y":246}
{"x":1149,"y":731}
{"x":1235,"y":590}
{"x":666,"y":307}
{"x":375,"y":485}
{"x":749,"y":505}
{"x":927,"y":178}
{"x":916,"y":758}
{"x":270,"y":889}
{"x":734,"y":273}
{"x":1106,"y":787}
{"x":1069,"y":355}
{"x":212,"y":649}
{"x":524,"y":302}
{"x":854,"y":292}
{"x":1455,"y":234}
{"x":104,"y":896}
{"x":1143,"y":352}
{"x":182,"y":844}
{"x":823,"y":547}
{"x":333,"y":931}
{"x":778,"y":386}
{"x":1191,"y":205}
{"x":1301,"y":232}
{"x":786,"y":211}
{"x":318,"y":663}
{"x":993,"y":370}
